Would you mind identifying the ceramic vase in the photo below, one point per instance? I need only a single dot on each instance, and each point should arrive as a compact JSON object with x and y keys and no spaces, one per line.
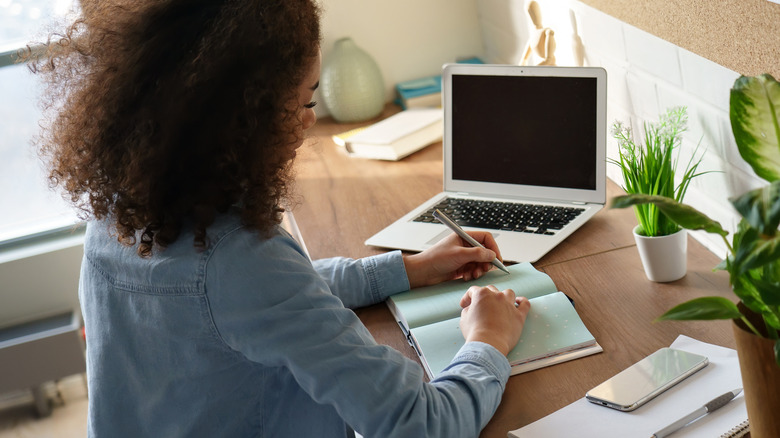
{"x":664,"y":258}
{"x":760,"y":378}
{"x":351,"y":83}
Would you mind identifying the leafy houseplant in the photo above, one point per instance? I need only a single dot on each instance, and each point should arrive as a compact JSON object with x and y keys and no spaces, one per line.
{"x":649,"y":168}
{"x":753,"y":262}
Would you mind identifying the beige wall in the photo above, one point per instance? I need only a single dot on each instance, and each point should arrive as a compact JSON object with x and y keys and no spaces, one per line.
{"x":409,"y":39}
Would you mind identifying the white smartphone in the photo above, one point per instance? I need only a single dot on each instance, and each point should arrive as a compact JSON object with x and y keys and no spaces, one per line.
{"x":644,"y":380}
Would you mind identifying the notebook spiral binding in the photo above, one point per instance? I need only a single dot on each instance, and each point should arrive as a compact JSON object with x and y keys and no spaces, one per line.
{"x":738,"y":431}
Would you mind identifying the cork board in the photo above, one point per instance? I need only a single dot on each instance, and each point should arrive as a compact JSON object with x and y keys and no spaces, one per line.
{"x":741,"y":35}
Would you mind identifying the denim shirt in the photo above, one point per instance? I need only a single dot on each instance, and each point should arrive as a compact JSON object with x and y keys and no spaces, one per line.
{"x":249,"y":338}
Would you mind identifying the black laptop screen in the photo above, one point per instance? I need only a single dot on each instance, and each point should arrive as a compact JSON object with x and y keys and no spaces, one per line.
{"x":529,"y":130}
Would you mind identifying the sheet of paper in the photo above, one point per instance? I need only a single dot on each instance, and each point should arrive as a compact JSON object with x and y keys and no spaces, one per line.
{"x":584,"y":419}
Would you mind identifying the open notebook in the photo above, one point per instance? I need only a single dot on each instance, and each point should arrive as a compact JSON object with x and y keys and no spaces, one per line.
{"x":534,"y":135}
{"x":553,"y":331}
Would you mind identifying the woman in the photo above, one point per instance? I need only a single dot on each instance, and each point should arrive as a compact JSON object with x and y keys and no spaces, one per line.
{"x":174,"y":127}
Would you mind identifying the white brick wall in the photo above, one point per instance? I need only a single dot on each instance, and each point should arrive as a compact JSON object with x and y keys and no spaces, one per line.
{"x":647,"y":75}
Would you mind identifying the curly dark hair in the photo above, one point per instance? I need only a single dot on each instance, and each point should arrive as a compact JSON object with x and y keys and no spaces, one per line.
{"x":166,"y":112}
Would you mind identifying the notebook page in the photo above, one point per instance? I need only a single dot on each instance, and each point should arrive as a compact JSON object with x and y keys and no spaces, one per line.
{"x":430,"y":304}
{"x":552,"y":326}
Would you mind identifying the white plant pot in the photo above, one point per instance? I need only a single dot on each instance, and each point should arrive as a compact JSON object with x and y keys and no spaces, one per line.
{"x":664,"y":257}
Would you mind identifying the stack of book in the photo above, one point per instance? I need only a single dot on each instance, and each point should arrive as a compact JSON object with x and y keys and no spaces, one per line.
{"x":424,"y":92}
{"x":419,"y":93}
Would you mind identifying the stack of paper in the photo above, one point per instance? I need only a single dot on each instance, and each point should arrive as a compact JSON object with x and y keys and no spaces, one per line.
{"x":584,"y":419}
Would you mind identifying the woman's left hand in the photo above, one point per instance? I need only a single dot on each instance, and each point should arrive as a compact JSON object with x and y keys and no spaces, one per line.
{"x":452,"y":258}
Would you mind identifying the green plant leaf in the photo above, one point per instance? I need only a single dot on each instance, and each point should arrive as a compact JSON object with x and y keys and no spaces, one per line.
{"x":722,"y":266}
{"x":759,"y":253}
{"x":746,"y":291}
{"x":748,"y":287}
{"x":761,"y":208}
{"x":754,"y":116}
{"x":684,"y":215}
{"x":771,"y":319}
{"x":753,"y":250}
{"x":651,"y":167}
{"x":703,"y":308}
{"x":769,"y":292}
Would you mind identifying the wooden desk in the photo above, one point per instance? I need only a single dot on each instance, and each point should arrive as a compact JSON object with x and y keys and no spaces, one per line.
{"x":343,"y":201}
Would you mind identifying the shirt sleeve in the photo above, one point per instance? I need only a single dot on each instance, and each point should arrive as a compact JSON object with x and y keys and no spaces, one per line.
{"x":278,"y":311}
{"x":365,"y":281}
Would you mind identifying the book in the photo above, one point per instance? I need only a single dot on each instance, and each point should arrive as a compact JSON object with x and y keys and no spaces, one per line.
{"x":424,"y":92}
{"x":341,"y":139}
{"x":738,"y":431}
{"x":419,"y":93}
{"x":553,"y":331}
{"x":396,"y":136}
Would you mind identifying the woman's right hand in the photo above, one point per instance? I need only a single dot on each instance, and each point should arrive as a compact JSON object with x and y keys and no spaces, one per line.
{"x":493,"y":317}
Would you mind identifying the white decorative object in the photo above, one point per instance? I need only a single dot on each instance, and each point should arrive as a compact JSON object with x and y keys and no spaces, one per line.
{"x":351,"y":83}
{"x":541,"y":43}
{"x":663,"y":257}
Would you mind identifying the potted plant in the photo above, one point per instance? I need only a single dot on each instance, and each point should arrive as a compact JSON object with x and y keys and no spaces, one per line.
{"x":753,"y":261}
{"x":650,"y":168}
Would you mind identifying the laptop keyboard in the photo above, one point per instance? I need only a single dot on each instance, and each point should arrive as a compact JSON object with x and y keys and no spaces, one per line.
{"x":507,"y":216}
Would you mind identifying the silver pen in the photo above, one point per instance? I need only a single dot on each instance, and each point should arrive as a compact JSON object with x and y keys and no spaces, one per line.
{"x":712,"y":405}
{"x":444,"y":219}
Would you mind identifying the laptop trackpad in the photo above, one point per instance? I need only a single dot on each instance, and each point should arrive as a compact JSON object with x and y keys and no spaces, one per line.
{"x":437,"y":238}
{"x":444,"y":234}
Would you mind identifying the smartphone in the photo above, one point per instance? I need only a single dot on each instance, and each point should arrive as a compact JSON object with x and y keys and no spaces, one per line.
{"x":644,"y":380}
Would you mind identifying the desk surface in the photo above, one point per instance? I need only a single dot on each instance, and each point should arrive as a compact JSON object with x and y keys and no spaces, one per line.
{"x":342,"y":201}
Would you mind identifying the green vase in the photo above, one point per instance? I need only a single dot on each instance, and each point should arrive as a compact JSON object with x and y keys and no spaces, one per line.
{"x":351,"y":83}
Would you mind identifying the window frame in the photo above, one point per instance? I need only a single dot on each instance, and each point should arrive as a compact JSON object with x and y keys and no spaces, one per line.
{"x":12,"y":247}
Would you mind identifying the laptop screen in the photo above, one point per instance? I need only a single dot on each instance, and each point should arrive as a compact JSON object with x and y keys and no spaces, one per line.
{"x":527,"y":130}
{"x":536,"y":132}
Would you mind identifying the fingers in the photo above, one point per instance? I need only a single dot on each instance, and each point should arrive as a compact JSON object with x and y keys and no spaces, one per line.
{"x":474,"y":270}
{"x":493,"y":317}
{"x":484,"y":238}
{"x":487,"y":240}
{"x":509,"y":294}
{"x":468,"y":253}
{"x":523,"y":305}
{"x":465,"y":300}
{"x":473,"y":293}
{"x":452,"y":258}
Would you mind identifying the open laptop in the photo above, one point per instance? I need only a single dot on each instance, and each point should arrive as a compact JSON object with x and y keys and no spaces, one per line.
{"x":515,"y":135}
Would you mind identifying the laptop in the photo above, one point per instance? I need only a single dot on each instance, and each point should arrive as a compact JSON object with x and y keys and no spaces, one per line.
{"x":524,"y":154}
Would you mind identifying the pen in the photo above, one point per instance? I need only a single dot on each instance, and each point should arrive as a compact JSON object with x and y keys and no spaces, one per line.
{"x":712,"y":405}
{"x":443,"y":218}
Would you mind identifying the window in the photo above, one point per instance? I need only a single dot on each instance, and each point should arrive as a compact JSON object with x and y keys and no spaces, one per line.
{"x":27,"y":206}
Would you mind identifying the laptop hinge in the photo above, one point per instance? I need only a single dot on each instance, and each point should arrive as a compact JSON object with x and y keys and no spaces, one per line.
{"x":469,"y":194}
